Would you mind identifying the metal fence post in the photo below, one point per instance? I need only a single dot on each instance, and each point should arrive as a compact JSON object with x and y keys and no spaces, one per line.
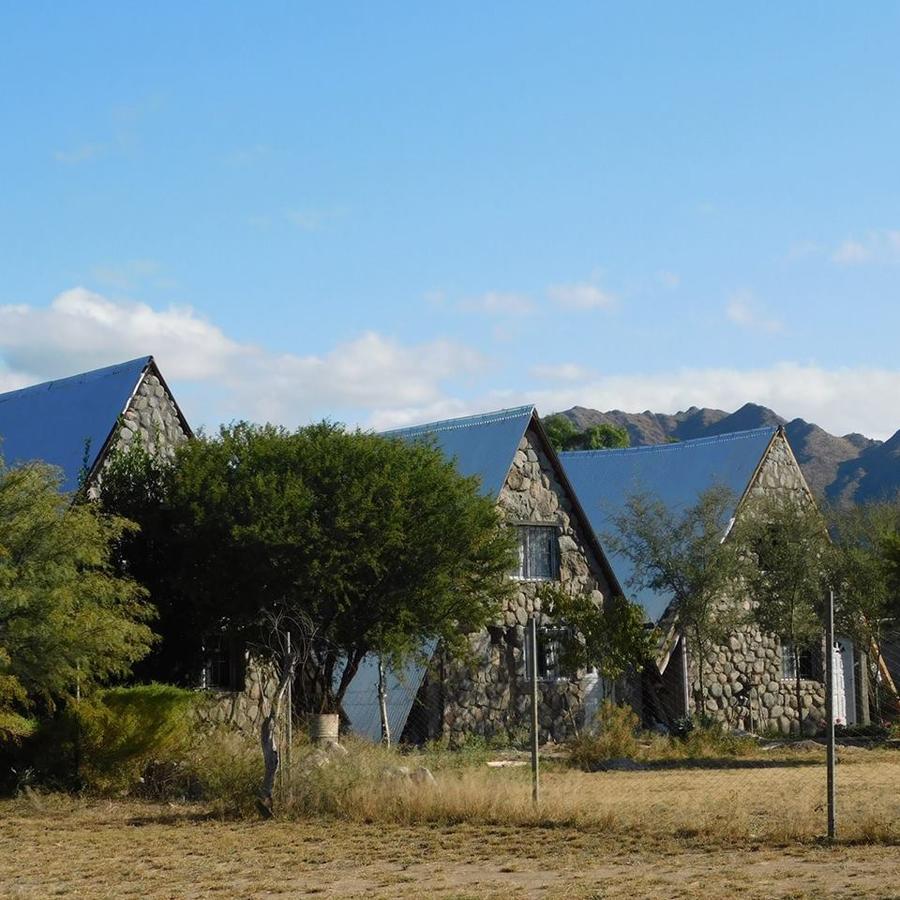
{"x":533,"y":672}
{"x":829,"y":708}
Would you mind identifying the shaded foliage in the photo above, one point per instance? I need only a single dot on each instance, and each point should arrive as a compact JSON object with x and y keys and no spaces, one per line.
{"x":379,"y":543}
{"x":68,"y":620}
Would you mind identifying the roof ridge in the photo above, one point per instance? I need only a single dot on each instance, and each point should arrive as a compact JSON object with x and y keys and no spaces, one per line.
{"x":114,"y":369}
{"x":488,"y":418}
{"x":677,"y":445}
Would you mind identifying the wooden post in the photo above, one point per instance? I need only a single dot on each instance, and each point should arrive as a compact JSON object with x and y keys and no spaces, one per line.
{"x":289,"y":731}
{"x":533,"y":673}
{"x":829,"y":709}
{"x":382,"y":705}
{"x":865,"y":717}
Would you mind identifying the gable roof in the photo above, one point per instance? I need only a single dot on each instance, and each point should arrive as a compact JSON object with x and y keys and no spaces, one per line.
{"x":482,"y":445}
{"x":676,"y":474}
{"x":68,"y":422}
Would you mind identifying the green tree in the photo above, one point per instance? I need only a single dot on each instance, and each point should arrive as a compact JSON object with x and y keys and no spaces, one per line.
{"x":787,"y":576}
{"x":683,"y":554}
{"x":352,"y":542}
{"x":561,"y":432}
{"x":865,"y":569}
{"x":612,"y":637}
{"x":68,"y":620}
{"x":605,"y":437}
{"x":564,"y":435}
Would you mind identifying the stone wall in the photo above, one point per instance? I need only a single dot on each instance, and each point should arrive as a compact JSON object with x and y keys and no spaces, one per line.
{"x":490,"y":696}
{"x":241,"y":710}
{"x":744,"y":686}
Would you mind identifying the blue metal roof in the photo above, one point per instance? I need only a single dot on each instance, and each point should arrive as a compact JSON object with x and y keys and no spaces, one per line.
{"x":676,"y":474}
{"x":482,"y":445}
{"x":67,"y":422}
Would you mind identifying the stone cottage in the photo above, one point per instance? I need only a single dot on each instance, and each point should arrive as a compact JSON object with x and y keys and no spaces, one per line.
{"x":74,"y":423}
{"x":749,"y":683}
{"x":509,"y":452}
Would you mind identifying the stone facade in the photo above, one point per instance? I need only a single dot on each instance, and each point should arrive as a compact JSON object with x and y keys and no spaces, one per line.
{"x":152,"y":419}
{"x":490,"y":695}
{"x":743,"y":681}
{"x":240,"y":710}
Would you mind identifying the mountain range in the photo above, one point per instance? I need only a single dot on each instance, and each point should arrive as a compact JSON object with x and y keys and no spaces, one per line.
{"x":841,"y":468}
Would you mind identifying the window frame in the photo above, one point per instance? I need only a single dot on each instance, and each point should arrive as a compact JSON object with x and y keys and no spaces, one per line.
{"x":525,"y":530}
{"x":810,"y":661}
{"x":550,"y":634}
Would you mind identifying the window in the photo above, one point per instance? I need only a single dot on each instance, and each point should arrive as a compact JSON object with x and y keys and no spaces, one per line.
{"x":809,"y":658}
{"x":538,"y":553}
{"x":551,"y":644}
{"x":224,"y":664}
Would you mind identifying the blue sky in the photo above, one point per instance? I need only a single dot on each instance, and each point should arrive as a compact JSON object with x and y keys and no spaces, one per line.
{"x":387,"y":213}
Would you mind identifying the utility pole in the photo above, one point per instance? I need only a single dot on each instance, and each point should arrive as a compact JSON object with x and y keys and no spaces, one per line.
{"x":533,"y":673}
{"x":829,"y":708}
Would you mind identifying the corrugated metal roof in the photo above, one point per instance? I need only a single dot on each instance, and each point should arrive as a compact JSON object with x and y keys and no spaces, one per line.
{"x":67,"y":422}
{"x":482,"y":445}
{"x":675,"y":473}
{"x":361,"y":698}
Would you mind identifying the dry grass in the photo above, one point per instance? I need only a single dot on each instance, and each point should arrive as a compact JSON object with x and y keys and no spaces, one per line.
{"x":767,"y":799}
{"x":59,"y":846}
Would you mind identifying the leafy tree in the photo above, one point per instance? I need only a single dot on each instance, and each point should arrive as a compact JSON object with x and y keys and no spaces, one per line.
{"x":561,"y":432}
{"x":353,"y":542}
{"x":866,"y":571}
{"x":612,"y":637}
{"x":604,"y":437}
{"x":563,"y":435}
{"x":788,"y":571}
{"x":683,"y":555}
{"x":68,"y":621}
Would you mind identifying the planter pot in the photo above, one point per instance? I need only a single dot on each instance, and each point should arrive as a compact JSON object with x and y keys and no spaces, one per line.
{"x":324,"y":729}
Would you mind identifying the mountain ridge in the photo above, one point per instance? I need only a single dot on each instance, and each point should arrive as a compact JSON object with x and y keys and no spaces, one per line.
{"x":840,"y":468}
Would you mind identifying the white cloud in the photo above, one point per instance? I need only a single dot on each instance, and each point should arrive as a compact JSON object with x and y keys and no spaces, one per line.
{"x":668,"y":279}
{"x":744,"y":311}
{"x":840,"y":400}
{"x":581,"y":295}
{"x":499,"y":303}
{"x":81,"y":330}
{"x":876,"y":247}
{"x":310,"y":219}
{"x":79,"y":154}
{"x":562,"y":372}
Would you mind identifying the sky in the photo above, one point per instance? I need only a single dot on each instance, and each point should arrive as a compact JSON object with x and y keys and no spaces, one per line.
{"x":388,"y":213}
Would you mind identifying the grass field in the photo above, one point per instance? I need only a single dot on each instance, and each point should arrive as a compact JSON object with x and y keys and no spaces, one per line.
{"x":750,"y":831}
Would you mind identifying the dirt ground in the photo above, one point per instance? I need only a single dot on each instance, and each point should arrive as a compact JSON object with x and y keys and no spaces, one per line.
{"x":59,"y":847}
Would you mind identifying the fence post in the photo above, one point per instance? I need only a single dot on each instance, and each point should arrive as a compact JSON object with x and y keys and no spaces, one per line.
{"x":289,"y":731}
{"x":829,"y":708}
{"x":382,"y":704}
{"x":533,"y":672}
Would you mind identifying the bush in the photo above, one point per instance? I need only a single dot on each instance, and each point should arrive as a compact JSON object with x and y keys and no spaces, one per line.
{"x":118,"y":732}
{"x":616,"y":737}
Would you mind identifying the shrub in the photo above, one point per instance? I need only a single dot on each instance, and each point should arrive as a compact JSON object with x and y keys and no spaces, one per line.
{"x":119,"y":731}
{"x":615,"y":737}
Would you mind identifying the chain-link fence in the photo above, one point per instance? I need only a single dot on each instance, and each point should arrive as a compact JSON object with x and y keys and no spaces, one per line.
{"x":745,"y":757}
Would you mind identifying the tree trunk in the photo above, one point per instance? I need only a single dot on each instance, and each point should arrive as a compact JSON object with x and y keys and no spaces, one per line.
{"x":798,"y":688}
{"x":699,"y":693}
{"x":269,"y":741}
